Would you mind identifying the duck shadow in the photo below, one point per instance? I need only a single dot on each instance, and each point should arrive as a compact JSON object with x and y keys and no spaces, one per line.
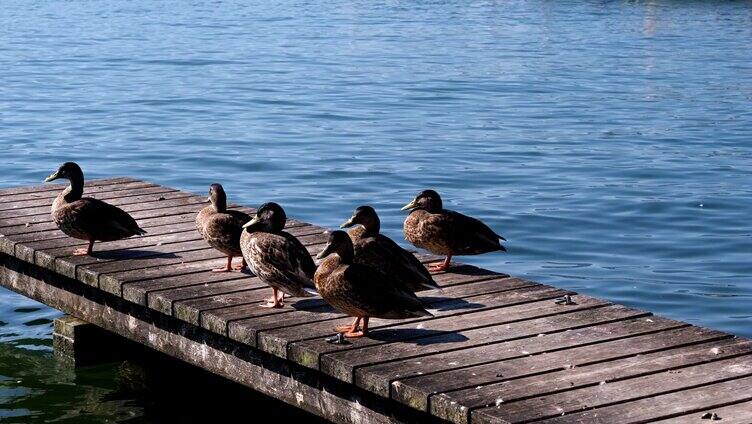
{"x":470,"y":270}
{"x":417,"y":336}
{"x":312,"y":304}
{"x":448,"y":303}
{"x":131,"y":254}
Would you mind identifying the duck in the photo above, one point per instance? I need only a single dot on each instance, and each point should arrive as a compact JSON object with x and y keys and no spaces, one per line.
{"x":445,"y":232}
{"x":221,"y":227}
{"x":276,"y":257}
{"x":361,"y":291}
{"x":86,"y":218}
{"x":379,"y":251}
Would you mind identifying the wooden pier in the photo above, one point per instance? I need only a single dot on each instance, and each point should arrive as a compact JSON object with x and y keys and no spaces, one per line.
{"x":498,"y":350}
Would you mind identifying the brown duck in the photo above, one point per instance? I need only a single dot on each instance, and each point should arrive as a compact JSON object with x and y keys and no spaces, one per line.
{"x":360,"y":290}
{"x":221,"y":227}
{"x":381,"y":252}
{"x":86,"y":218}
{"x":277,"y":257}
{"x":444,"y":232}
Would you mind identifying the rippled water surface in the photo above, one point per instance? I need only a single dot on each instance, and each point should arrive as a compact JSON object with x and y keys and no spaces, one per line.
{"x":610,"y":142}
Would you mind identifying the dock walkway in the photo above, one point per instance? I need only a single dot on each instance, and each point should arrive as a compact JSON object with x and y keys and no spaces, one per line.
{"x":499,"y":349}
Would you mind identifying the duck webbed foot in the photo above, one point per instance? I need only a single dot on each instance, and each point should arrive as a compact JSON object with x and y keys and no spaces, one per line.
{"x":276,"y":301}
{"x":240,"y":267}
{"x":355,"y":326}
{"x":84,"y":251}
{"x":355,"y":333}
{"x":226,"y":268}
{"x":443,"y":266}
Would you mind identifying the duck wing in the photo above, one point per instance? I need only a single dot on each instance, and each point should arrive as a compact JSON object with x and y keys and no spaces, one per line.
{"x":104,"y":221}
{"x":393,"y":252}
{"x":374,"y":293}
{"x":464,"y":234}
{"x":280,"y":260}
{"x":224,"y":229}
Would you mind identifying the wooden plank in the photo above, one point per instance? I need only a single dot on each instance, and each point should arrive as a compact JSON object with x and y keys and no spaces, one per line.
{"x":13,"y":191}
{"x":43,"y":252}
{"x":541,"y":375}
{"x":122,"y":202}
{"x":244,"y":322}
{"x":183,"y":302}
{"x":379,"y":377}
{"x":316,"y":310}
{"x":99,"y":192}
{"x":340,"y":362}
{"x":109,"y":196}
{"x":16,"y":244}
{"x":501,"y":307}
{"x":134,"y":254}
{"x":162,"y":230}
{"x":738,"y":413}
{"x":271,"y":376}
{"x":561,"y":404}
{"x":191,"y":261}
{"x":652,"y":408}
{"x":128,"y":204}
{"x":140,"y":292}
{"x":109,"y":276}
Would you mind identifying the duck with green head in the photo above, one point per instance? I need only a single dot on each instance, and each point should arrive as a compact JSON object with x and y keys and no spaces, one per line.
{"x":379,"y":251}
{"x":446,"y":232}
{"x":359,"y":290}
{"x":221,"y":227}
{"x":86,"y":218}
{"x":277,"y":257}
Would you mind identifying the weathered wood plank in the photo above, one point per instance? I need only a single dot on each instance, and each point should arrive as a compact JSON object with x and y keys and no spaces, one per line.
{"x":502,"y":307}
{"x":122,"y":202}
{"x":43,"y":252}
{"x":653,"y":408}
{"x":738,"y":413}
{"x":245,"y":318}
{"x":99,"y":192}
{"x":140,"y":292}
{"x":56,"y":187}
{"x":109,"y":196}
{"x":244,"y":323}
{"x":592,"y":397}
{"x":307,"y":311}
{"x":189,"y":302}
{"x":379,"y":377}
{"x":271,"y":376}
{"x":568,"y":369}
{"x":112,"y":280}
{"x":340,"y":362}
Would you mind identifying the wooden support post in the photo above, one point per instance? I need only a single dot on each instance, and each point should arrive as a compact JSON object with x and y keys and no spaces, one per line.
{"x":81,"y":343}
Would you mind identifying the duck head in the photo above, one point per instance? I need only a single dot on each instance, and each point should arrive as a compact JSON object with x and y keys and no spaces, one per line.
{"x":339,"y":243}
{"x":270,"y":218}
{"x":69,"y":171}
{"x":365,"y":216}
{"x":426,"y":199}
{"x":217,"y":197}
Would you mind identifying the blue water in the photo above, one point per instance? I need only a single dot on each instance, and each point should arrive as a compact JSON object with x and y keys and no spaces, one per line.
{"x":609,"y":142}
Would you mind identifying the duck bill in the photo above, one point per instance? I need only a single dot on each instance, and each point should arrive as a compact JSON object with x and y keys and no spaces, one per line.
{"x":347,"y":224}
{"x":326,"y":252}
{"x":252,"y":224}
{"x":52,"y":177}
{"x":412,"y":205}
